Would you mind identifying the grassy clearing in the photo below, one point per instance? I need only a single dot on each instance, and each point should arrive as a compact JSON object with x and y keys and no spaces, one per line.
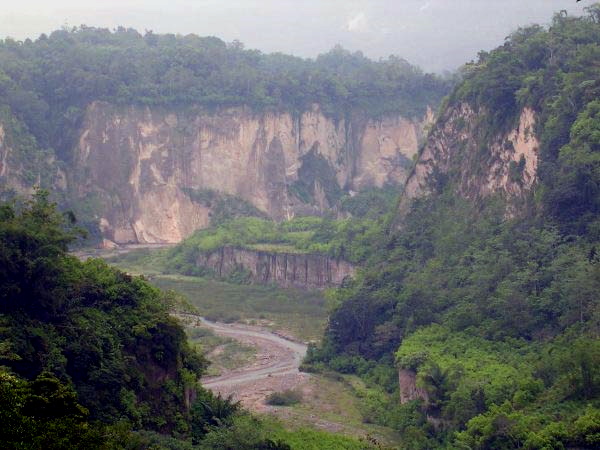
{"x":143,"y":261}
{"x":303,"y":314}
{"x":303,"y":438}
{"x":286,"y":398}
{"x":276,"y":248}
{"x":332,"y":398}
{"x":300,"y":313}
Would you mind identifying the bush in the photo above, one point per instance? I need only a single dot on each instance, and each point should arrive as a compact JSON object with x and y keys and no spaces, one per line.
{"x":288,"y":397}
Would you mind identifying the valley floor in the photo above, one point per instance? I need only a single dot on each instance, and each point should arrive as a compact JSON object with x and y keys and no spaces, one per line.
{"x":258,"y":351}
{"x":326,"y":404}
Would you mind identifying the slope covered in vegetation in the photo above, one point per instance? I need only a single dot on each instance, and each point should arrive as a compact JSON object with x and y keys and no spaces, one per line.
{"x":48,"y":82}
{"x":85,"y":328}
{"x":91,"y":358}
{"x":497,"y":317}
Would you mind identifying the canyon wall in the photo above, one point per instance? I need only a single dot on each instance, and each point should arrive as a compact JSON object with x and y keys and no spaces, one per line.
{"x":409,"y":391}
{"x":454,"y":152}
{"x":142,"y":168}
{"x":306,"y":271}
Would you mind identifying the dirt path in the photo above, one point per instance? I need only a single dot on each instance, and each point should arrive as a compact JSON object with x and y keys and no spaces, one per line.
{"x":276,"y":356}
{"x":274,"y":368}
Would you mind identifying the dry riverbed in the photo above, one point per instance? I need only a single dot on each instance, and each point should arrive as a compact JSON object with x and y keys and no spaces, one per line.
{"x":262,"y":355}
{"x":274,"y":367}
{"x":327,"y":404}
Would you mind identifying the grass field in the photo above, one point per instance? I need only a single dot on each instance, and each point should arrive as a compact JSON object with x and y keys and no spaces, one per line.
{"x":303,"y":314}
{"x":335,"y":401}
{"x":300,"y":313}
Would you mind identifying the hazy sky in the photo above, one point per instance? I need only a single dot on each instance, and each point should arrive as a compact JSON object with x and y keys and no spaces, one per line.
{"x":435,"y":34}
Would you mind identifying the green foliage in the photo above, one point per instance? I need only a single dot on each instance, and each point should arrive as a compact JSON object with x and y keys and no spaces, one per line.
{"x":33,"y":165}
{"x":350,"y":239}
{"x":463,"y":375}
{"x":554,"y":71}
{"x":498,"y":318}
{"x":84,"y":64}
{"x":211,"y":411}
{"x":244,"y":433}
{"x":310,"y":439}
{"x":88,"y":326}
{"x":316,"y":174}
{"x":43,"y":413}
{"x":371,"y":203}
{"x":224,"y":207}
{"x":572,"y":195}
{"x":266,"y":434}
{"x":446,"y":292}
{"x":301,"y":312}
{"x":505,"y":427}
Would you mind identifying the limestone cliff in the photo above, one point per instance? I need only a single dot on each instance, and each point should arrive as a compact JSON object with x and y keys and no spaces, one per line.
{"x":306,"y":271}
{"x":409,"y":391}
{"x":477,"y":166}
{"x":138,"y":165}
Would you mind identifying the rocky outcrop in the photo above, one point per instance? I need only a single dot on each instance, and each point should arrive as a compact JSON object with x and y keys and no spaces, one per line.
{"x":409,"y":391}
{"x":306,"y":271}
{"x":140,"y":166}
{"x":504,"y":164}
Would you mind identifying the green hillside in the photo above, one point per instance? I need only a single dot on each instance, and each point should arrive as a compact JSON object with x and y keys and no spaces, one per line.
{"x":497,"y":316}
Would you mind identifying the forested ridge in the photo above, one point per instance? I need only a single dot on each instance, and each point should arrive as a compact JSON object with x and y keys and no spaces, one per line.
{"x":497,"y":317}
{"x":87,"y":353}
{"x":47,"y":83}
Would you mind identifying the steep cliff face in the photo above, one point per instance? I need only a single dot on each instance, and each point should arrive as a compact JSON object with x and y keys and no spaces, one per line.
{"x":477,"y":166}
{"x":139,"y":166}
{"x":306,"y":271}
{"x":23,"y":169}
{"x":409,"y":391}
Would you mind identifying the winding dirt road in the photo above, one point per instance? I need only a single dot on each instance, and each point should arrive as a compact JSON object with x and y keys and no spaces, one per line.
{"x":284,"y":356}
{"x":273,"y":369}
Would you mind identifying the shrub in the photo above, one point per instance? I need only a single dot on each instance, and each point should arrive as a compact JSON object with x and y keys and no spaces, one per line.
{"x":288,"y":397}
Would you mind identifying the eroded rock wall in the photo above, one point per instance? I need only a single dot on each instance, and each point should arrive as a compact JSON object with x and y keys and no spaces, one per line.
{"x":505,"y":164}
{"x":137,"y":165}
{"x":306,"y":271}
{"x":409,"y":391}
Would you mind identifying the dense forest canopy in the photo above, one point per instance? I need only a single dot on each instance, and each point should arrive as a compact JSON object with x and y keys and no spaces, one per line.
{"x":47,"y":82}
{"x":92,"y":328}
